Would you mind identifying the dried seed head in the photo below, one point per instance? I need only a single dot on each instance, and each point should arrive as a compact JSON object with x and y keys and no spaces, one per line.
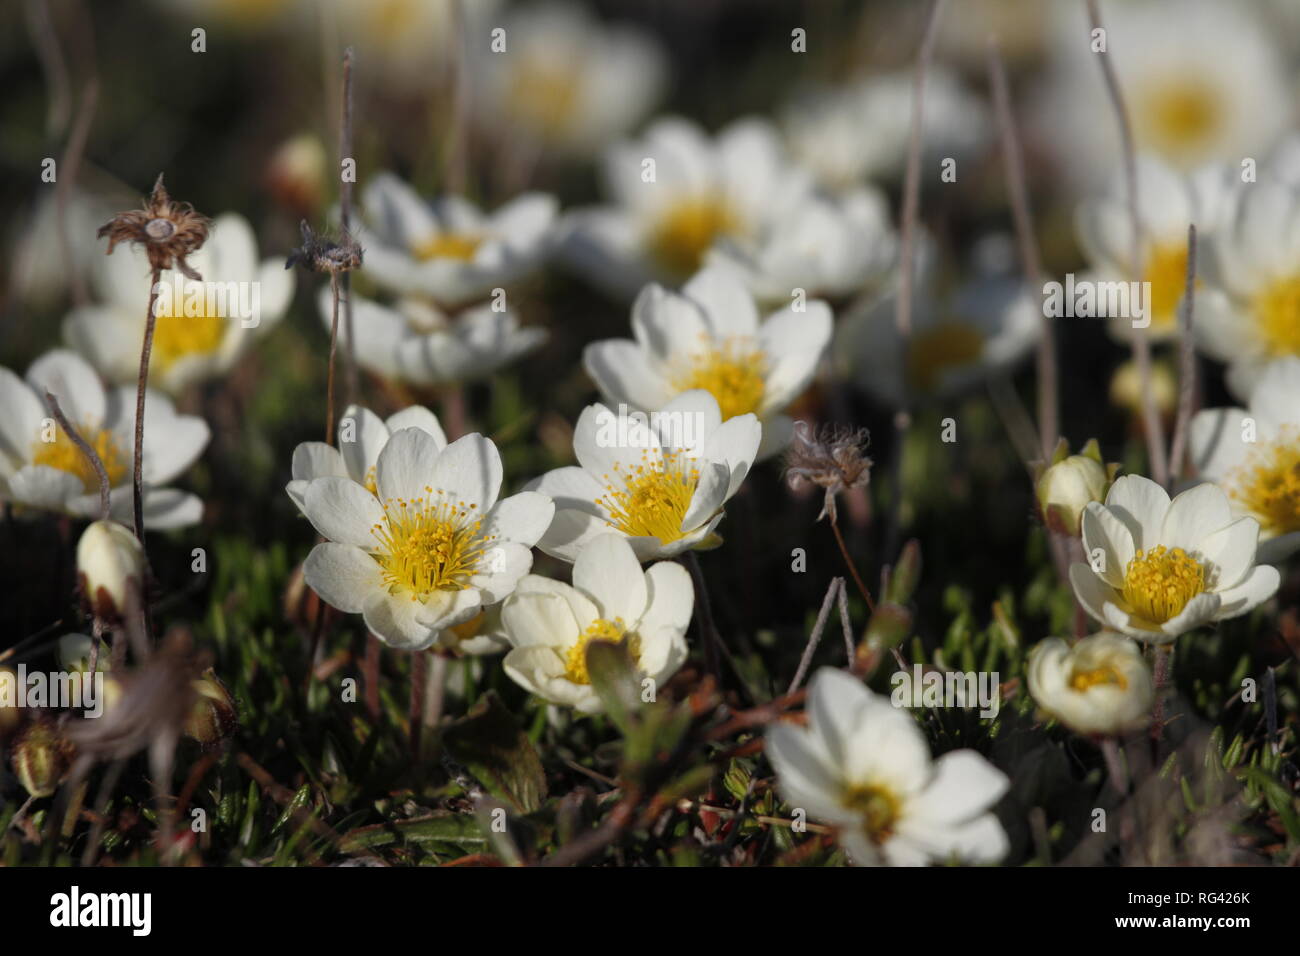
{"x":830,"y":457}
{"x":321,"y":252}
{"x":169,"y":231}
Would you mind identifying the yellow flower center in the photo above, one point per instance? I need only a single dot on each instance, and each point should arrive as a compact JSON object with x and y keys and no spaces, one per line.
{"x":651,"y":500}
{"x":545,"y":92}
{"x":448,"y":245}
{"x":611,"y":632}
{"x":1158,"y":583}
{"x":467,"y":629}
{"x":1179,"y":115}
{"x":1082,"y":680}
{"x":685,"y":232}
{"x":372,"y":481}
{"x":429,"y":544}
{"x":1166,"y":271}
{"x":177,"y":336}
{"x":62,"y":454}
{"x":878,"y":807}
{"x":939,"y":348}
{"x":733,"y":374}
{"x":1277,"y":316}
{"x":1267,"y":484}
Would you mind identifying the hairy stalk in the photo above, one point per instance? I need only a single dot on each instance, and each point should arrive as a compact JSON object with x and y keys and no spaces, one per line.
{"x":1187,"y":364}
{"x":142,"y":383}
{"x":85,"y":448}
{"x":334,"y":342}
{"x":815,"y":637}
{"x":853,"y":570}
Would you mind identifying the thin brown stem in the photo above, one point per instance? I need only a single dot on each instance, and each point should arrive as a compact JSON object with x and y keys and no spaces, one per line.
{"x":815,"y":636}
{"x":1187,"y":363}
{"x":345,"y":216}
{"x":142,"y":385}
{"x":704,"y":616}
{"x":844,"y":550}
{"x":334,"y":343}
{"x":68,"y":165}
{"x":85,"y":448}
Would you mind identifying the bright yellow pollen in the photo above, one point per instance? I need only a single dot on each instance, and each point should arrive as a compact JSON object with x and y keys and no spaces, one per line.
{"x":1277,"y":316}
{"x":651,"y":500}
{"x":448,"y":245}
{"x":1166,"y":270}
{"x":372,"y":481}
{"x":939,"y":348}
{"x":685,"y":232}
{"x":62,"y":454}
{"x":575,"y":661}
{"x":1179,"y":115}
{"x":178,"y":336}
{"x":733,"y":374}
{"x":1083,"y":680}
{"x":878,"y":806}
{"x":429,"y":544}
{"x":1159,"y":583}
{"x":1267,"y":484}
{"x":545,"y":92}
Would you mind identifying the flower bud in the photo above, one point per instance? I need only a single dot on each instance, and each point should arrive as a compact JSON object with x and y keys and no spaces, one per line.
{"x":1101,"y":685}
{"x":42,"y":755}
{"x":109,"y":559}
{"x":297,"y":174}
{"x":1067,"y":487}
{"x":213,"y":716}
{"x":1126,"y":389}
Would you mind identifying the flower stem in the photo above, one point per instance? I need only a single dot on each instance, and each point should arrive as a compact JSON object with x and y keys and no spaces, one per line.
{"x":844,"y":550}
{"x":334,"y":344}
{"x":142,"y":383}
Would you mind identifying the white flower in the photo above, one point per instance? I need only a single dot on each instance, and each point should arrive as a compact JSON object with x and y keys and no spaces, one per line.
{"x":1253,"y":315}
{"x":201,"y":328}
{"x":1066,"y":488}
{"x":566,"y":80}
{"x":1101,"y":685}
{"x":824,"y":246}
{"x":675,"y":193}
{"x":863,"y":766}
{"x":848,"y":134}
{"x":1168,"y":202}
{"x":40,"y":466}
{"x":550,"y":624}
{"x":984,"y":329}
{"x":109,"y":558}
{"x":709,"y":337}
{"x":431,"y":546}
{"x":416,"y":342}
{"x":1255,"y":457}
{"x":449,"y":250}
{"x":1202,"y":81}
{"x":1157,"y":569}
{"x":659,"y":480}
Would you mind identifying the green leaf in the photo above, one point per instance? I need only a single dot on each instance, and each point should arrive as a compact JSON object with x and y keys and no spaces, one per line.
{"x":492,"y":746}
{"x":445,"y":827}
{"x":614,"y":679}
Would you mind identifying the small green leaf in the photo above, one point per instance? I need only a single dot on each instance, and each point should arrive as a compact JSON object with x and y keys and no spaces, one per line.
{"x":489,"y":742}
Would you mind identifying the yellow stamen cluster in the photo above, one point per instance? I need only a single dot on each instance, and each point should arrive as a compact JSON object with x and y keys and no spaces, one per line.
{"x":1277,"y":317}
{"x":62,"y":454}
{"x":947,"y":345}
{"x":1166,"y":271}
{"x":1082,"y":680}
{"x":178,"y":336}
{"x":447,"y":245}
{"x":1267,"y":485}
{"x":1179,"y":114}
{"x":651,"y":499}
{"x":878,"y":806}
{"x":575,"y":660}
{"x":1158,"y":583}
{"x":734,"y":373}
{"x":430,"y":544}
{"x":684,"y":233}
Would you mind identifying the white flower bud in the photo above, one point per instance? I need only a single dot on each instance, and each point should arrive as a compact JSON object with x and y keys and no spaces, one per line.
{"x":1101,"y":685}
{"x":1066,"y":488}
{"x":109,"y":557}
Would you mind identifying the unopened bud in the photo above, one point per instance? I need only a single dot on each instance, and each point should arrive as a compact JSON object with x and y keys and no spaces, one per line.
{"x":110,"y":561}
{"x":1065,"y":489}
{"x":213,"y":717}
{"x":42,"y":756}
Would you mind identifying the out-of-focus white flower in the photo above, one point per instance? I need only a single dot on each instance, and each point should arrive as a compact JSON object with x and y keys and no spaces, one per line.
{"x":1157,"y":569}
{"x":406,"y":43}
{"x":1254,"y":456}
{"x":566,"y":80}
{"x":201,"y":328}
{"x":660,"y":480}
{"x":109,"y":559}
{"x":1101,"y":685}
{"x":674,"y":194}
{"x":863,"y":766}
{"x":1251,"y":316}
{"x":418,"y":343}
{"x":709,"y":337}
{"x":41,"y":468}
{"x":431,"y":546}
{"x":550,"y":624}
{"x":859,"y":131}
{"x":1168,"y":202}
{"x":1202,"y":82}
{"x":449,"y":250}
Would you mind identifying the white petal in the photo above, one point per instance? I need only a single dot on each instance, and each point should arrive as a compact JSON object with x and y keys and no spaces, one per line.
{"x":342,"y":575}
{"x":470,"y":469}
{"x":1141,"y":504}
{"x":607,"y":571}
{"x":343,"y":511}
{"x":1194,"y":515}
